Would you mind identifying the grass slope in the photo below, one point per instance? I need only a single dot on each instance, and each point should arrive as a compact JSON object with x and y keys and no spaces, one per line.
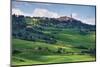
{"x":29,"y":56}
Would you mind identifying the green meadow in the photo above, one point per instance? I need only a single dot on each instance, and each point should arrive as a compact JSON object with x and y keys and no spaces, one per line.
{"x":50,"y":41}
{"x":66,"y":40}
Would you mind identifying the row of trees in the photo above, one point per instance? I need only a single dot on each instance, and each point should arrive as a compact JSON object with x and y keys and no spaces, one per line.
{"x":22,"y":21}
{"x":46,"y":50}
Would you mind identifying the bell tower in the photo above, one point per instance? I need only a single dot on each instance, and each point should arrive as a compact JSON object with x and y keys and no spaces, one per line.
{"x":70,"y":17}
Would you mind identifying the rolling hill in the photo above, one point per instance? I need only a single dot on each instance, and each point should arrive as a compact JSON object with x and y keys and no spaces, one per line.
{"x":40,"y":40}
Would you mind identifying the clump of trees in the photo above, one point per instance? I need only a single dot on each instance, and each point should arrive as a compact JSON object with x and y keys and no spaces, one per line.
{"x":22,"y":30}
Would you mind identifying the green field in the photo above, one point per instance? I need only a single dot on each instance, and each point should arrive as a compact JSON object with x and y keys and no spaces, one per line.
{"x":66,"y":40}
{"x":41,"y":40}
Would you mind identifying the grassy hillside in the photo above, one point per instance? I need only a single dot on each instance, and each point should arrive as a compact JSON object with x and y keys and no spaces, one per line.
{"x":28,"y":55}
{"x":41,"y":41}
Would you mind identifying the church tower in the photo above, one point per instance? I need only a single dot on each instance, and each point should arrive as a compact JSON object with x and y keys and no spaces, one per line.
{"x":71,"y":18}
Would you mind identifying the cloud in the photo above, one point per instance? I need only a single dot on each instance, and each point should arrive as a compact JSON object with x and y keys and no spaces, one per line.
{"x":89,"y":21}
{"x":19,"y":12}
{"x":83,"y":19}
{"x":75,"y":15}
{"x":39,"y":12}
{"x":44,"y":13}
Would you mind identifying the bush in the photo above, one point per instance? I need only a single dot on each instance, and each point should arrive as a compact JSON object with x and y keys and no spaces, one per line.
{"x":60,"y":50}
{"x":16,"y":51}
